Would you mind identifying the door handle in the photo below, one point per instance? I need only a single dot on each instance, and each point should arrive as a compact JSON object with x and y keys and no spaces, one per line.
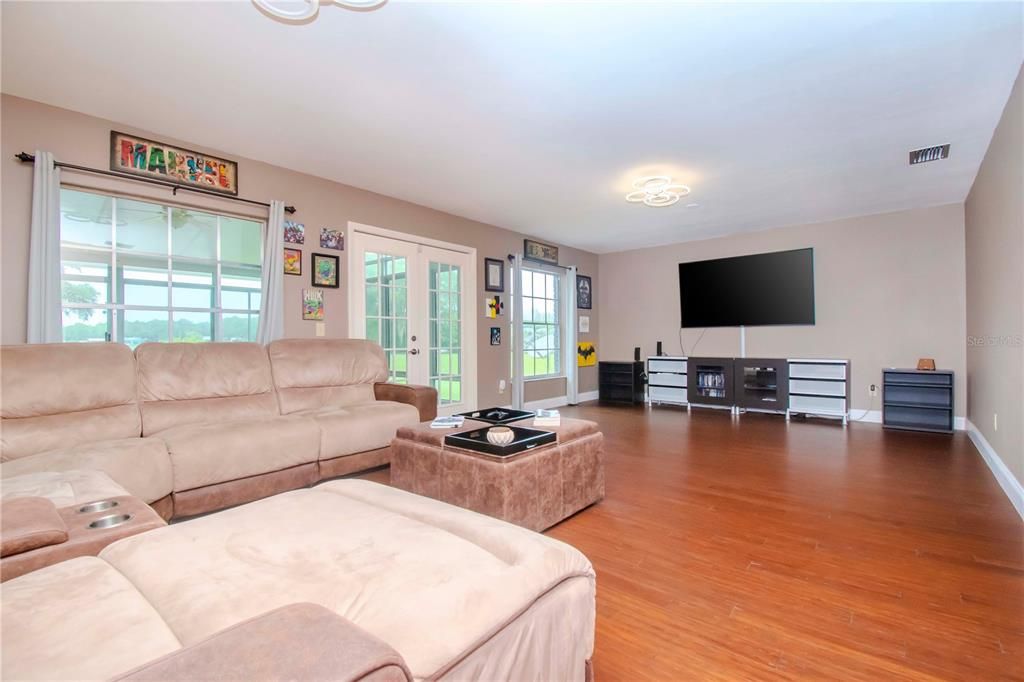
{"x":414,"y":351}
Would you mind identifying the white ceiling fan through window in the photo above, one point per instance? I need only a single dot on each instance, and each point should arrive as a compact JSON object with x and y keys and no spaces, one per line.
{"x":301,"y":10}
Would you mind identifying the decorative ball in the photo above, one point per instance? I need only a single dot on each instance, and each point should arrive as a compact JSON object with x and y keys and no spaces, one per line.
{"x":500,"y":435}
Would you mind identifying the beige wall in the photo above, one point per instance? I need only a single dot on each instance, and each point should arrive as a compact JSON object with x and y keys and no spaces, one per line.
{"x":994,"y":215}
{"x":80,"y":139}
{"x":889,"y":289}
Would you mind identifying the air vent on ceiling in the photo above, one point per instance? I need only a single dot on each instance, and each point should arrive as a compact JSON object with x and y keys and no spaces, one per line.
{"x":929,"y":154}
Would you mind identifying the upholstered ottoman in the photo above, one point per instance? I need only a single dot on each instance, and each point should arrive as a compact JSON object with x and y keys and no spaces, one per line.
{"x":535,"y":489}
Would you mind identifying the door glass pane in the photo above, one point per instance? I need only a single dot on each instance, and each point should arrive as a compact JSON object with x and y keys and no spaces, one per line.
{"x":445,"y":331}
{"x":85,"y":324}
{"x":193,"y":234}
{"x":141,"y":227}
{"x":386,"y":299}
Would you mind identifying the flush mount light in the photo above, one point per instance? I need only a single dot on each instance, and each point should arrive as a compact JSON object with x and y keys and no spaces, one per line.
{"x":301,"y":10}
{"x":657,"y":191}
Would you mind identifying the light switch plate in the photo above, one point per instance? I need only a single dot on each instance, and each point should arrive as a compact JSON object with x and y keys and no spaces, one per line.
{"x":321,"y":329}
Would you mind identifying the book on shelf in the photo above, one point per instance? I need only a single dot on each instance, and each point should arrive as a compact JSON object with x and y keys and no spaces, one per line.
{"x":547,"y":418}
{"x":452,"y":422}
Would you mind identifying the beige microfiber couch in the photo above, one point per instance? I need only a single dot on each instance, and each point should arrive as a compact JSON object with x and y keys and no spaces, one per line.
{"x":191,"y":428}
{"x":459,"y":595}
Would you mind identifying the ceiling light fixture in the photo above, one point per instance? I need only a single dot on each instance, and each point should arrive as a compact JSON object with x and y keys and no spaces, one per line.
{"x":301,"y":10}
{"x":657,"y":191}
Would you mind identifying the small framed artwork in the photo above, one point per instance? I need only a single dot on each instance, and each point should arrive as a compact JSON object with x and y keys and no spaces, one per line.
{"x":312,"y":304}
{"x":332,"y":239}
{"x":325,"y":270}
{"x":584,"y":292}
{"x":540,"y":252}
{"x":494,"y":275}
{"x":495,"y":336}
{"x":294,"y":233}
{"x":586,"y":355}
{"x":292,"y":262}
{"x":584,"y":326}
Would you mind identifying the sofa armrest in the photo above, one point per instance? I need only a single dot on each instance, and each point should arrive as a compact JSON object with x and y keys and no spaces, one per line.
{"x":295,"y":642}
{"x":29,"y":523}
{"x":423,"y":398}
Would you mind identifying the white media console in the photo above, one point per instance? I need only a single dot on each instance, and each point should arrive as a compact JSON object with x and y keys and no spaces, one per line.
{"x":813,"y":386}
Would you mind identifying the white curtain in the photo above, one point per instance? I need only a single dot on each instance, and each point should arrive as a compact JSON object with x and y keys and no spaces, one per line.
{"x":569,"y":348}
{"x":272,"y":300}
{"x":516,"y":279}
{"x":44,"y":314}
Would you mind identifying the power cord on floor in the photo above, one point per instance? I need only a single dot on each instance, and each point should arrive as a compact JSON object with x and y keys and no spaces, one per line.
{"x":870,"y":405}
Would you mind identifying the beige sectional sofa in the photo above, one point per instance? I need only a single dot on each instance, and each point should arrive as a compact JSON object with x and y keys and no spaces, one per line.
{"x":191,"y":428}
{"x":459,"y":595}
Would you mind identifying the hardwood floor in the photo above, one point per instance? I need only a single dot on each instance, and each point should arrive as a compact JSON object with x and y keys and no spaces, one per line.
{"x":753,"y":549}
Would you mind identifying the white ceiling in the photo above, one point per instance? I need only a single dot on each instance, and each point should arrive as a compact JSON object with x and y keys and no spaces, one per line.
{"x":537,"y":116}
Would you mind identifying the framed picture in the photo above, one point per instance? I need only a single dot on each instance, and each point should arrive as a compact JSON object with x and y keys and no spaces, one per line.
{"x":292,"y":262}
{"x":495,"y":336}
{"x":584,"y":326}
{"x":494,"y":275}
{"x":325,"y":270}
{"x":312,"y":304}
{"x":332,"y":239}
{"x":584,"y":292}
{"x":586,"y":355}
{"x":542,"y":253}
{"x":134,"y":155}
{"x":294,"y":233}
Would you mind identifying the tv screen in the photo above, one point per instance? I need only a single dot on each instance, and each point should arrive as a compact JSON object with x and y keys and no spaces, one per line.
{"x":764,"y":289}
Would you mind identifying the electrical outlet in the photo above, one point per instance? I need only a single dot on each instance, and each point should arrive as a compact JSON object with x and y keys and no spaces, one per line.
{"x":501,"y":385}
{"x":321,"y":329}
{"x":873,"y":390}
{"x":995,"y":421}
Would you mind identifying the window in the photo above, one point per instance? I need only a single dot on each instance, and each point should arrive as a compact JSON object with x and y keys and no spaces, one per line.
{"x":134,"y":271}
{"x":542,"y":329}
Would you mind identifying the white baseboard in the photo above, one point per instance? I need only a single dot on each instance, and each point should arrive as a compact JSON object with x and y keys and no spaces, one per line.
{"x":1007,"y":481}
{"x":587,"y":396}
{"x":546,"y":404}
{"x":875,"y":417}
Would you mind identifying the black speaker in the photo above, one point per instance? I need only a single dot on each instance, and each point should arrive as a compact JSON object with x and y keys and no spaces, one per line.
{"x":636,"y":354}
{"x":659,"y":349}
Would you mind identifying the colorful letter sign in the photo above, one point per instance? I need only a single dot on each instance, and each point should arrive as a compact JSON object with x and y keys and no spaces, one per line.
{"x":139,"y":156}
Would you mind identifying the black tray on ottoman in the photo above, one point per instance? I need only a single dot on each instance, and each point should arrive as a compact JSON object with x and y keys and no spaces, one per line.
{"x":522,"y":440}
{"x":497,"y":415}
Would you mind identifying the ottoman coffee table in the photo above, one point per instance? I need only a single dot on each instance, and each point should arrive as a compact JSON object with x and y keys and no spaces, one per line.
{"x":535,"y":489}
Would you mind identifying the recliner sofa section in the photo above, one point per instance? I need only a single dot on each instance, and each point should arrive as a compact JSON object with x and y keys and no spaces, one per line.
{"x":207,"y":425}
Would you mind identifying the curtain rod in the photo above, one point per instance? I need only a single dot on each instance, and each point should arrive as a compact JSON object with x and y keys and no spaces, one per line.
{"x":25,"y":157}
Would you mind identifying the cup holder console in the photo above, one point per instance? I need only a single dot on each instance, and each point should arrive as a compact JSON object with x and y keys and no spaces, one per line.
{"x":93,"y":507}
{"x":110,"y":521}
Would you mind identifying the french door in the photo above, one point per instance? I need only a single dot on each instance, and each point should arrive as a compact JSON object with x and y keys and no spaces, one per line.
{"x":417,"y":300}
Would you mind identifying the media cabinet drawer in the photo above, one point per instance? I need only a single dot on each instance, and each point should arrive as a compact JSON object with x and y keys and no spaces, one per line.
{"x":801,"y":370}
{"x":671,"y":395}
{"x":812,"y":387}
{"x":663,"y":379}
{"x":817,"y":405}
{"x":662,"y":365}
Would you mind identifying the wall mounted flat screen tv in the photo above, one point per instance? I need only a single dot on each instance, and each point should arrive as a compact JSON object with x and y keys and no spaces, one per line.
{"x":763,"y":289}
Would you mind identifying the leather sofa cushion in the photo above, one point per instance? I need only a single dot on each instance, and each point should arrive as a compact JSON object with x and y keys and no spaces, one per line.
{"x":296,"y":642}
{"x":55,"y":378}
{"x":140,"y":465}
{"x":34,"y":435}
{"x":78,"y":620}
{"x":316,"y":373}
{"x":397,"y":565}
{"x":206,"y":454}
{"x":63,"y":488}
{"x":203,"y":383}
{"x":29,"y":523}
{"x":361,"y":427}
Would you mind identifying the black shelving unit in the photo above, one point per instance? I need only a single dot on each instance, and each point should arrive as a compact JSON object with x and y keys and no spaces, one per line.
{"x":710,"y":382}
{"x":917,"y":400}
{"x":620,"y":382}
